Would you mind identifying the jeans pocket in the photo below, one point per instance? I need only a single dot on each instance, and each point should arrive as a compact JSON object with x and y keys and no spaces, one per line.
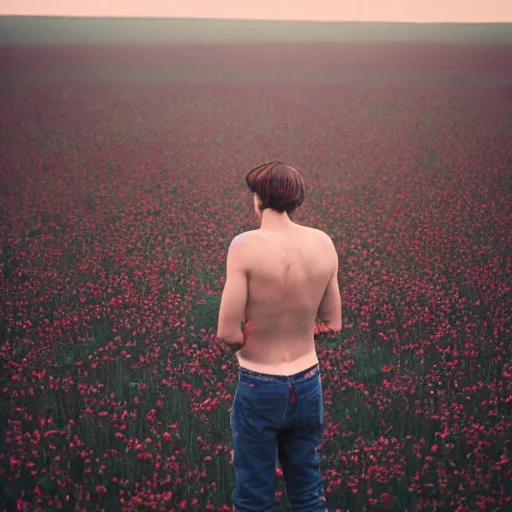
{"x":261,"y":404}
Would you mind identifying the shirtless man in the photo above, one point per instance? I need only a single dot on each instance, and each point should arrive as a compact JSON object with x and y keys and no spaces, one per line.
{"x":283,"y":280}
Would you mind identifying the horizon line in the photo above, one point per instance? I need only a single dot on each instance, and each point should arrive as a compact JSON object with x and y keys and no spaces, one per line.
{"x":65,"y":16}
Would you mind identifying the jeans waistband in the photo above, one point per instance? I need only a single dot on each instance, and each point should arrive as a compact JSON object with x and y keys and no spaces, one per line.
{"x":303,"y":375}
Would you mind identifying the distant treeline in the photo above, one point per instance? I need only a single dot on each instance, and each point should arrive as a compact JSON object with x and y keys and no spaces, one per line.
{"x":66,"y":30}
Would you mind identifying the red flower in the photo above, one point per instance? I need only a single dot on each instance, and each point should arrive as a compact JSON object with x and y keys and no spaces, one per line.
{"x":385,"y":497}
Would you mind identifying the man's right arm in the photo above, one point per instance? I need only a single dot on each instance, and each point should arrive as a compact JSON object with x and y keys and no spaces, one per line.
{"x":329,"y":317}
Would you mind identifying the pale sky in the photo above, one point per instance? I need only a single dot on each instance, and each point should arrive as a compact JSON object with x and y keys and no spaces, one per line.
{"x":422,"y":11}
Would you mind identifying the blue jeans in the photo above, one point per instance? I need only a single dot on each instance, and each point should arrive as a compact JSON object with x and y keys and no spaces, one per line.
{"x":277,"y":416}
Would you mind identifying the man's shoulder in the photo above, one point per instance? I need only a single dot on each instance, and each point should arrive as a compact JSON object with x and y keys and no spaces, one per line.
{"x":246,"y":240}
{"x":246,"y":237}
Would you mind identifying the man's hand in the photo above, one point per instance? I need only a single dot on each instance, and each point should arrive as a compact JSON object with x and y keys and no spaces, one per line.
{"x":233,"y":346}
{"x":237,"y":345}
{"x":320,"y":328}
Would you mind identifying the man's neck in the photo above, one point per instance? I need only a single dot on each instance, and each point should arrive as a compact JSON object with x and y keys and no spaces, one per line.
{"x":277,"y":226}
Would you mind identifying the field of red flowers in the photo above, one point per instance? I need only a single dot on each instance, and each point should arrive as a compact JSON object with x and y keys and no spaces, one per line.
{"x":121,"y":187}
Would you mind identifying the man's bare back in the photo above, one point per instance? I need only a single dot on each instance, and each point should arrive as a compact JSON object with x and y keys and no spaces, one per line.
{"x":288,"y":274}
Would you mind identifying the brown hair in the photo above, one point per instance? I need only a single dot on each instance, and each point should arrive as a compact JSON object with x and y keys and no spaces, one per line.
{"x":279,"y":186}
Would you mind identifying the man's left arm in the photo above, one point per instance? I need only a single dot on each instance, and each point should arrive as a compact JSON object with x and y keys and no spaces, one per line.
{"x":230,"y":328}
